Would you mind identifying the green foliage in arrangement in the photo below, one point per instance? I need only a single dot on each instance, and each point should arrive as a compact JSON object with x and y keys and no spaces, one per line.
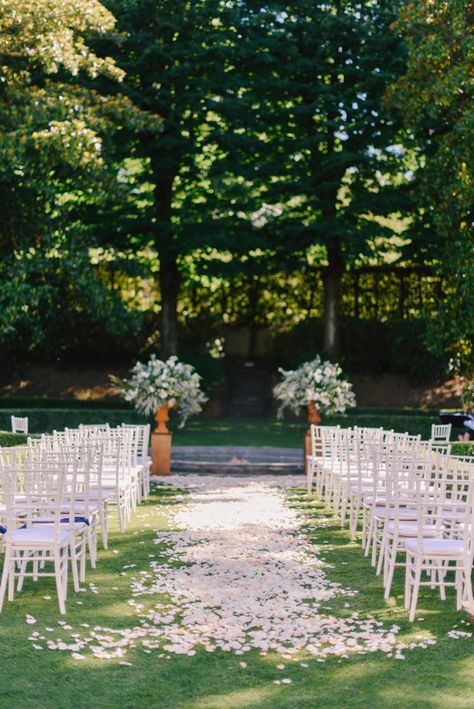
{"x":437,"y":99}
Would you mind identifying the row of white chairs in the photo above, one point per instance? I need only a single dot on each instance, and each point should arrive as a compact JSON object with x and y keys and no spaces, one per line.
{"x":411,"y":499}
{"x":55,"y":494}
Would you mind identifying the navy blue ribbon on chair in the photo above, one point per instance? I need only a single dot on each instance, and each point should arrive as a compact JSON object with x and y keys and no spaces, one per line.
{"x":64,"y":520}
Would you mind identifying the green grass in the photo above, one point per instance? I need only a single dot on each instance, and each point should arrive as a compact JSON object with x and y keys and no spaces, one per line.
{"x":460,"y":448}
{"x":440,"y":676}
{"x":241,"y":432}
{"x":288,"y":433}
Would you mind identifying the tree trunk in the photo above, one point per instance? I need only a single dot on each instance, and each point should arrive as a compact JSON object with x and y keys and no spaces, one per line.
{"x":169,"y":289}
{"x":169,"y":278}
{"x":332,"y":293}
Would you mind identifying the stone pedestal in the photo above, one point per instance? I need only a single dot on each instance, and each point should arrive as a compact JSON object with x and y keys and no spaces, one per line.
{"x":161,"y":444}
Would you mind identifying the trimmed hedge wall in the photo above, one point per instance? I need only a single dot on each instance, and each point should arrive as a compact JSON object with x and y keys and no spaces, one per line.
{"x":7,"y":439}
{"x":39,"y":402}
{"x":46,"y":420}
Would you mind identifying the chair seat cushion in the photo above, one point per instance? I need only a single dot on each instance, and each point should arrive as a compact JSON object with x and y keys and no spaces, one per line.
{"x":410,"y":529}
{"x":404,"y":513}
{"x":437,"y":547}
{"x":39,"y":535}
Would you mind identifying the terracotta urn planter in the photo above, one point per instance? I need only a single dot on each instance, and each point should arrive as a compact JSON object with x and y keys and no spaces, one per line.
{"x":314,"y":418}
{"x":161,"y":443}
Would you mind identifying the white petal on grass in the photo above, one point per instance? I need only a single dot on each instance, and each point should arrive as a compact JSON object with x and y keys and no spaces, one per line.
{"x":237,"y":573}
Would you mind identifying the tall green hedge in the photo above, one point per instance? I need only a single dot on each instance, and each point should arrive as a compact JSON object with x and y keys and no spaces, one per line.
{"x":7,"y":439}
{"x":47,"y":420}
{"x":50,"y":402}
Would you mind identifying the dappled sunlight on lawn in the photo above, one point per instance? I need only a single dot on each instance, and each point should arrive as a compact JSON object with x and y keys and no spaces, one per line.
{"x":228,"y":593}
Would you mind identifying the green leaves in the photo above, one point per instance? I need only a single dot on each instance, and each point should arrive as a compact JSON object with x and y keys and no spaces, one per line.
{"x":51,"y":35}
{"x":437,"y":97}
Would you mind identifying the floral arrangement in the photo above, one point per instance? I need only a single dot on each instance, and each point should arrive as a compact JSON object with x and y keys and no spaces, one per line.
{"x":158,"y":383}
{"x":317,"y":382}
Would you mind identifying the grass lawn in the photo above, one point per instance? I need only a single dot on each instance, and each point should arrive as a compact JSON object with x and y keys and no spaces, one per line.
{"x":241,"y":432}
{"x":440,"y":676}
{"x":289,"y":433}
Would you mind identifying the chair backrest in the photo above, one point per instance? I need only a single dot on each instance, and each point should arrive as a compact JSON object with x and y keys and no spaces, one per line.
{"x":42,"y":487}
{"x":441,"y":432}
{"x":446,"y":494}
{"x":142,"y":434}
{"x":19,"y":424}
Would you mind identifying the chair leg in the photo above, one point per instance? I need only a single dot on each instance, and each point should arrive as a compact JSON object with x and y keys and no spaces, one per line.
{"x":384,"y":549}
{"x":392,"y":559}
{"x":354,"y":517}
{"x":458,"y":582}
{"x":368,"y":538}
{"x":104,"y":524}
{"x":11,"y":581}
{"x":415,"y":590}
{"x":467,"y":590}
{"x":82,"y":556}
{"x":6,"y":572}
{"x":75,"y":575}
{"x":58,"y":575}
{"x":344,"y":510}
{"x":92,"y":542}
{"x":375,"y":541}
{"x":22,"y":571}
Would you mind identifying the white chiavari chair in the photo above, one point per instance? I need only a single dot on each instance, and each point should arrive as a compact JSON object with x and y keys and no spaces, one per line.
{"x":45,"y":487}
{"x":449,"y":494}
{"x":441,"y":432}
{"x":19,"y":424}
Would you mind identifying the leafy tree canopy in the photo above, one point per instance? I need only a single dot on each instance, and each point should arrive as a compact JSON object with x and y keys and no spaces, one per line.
{"x":437,"y":98}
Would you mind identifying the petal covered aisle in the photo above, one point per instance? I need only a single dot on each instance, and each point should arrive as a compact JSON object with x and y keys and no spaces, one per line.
{"x":249,"y":578}
{"x":236,"y":573}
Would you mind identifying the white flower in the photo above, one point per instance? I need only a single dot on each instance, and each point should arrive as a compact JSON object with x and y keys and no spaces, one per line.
{"x":315,"y":382}
{"x":158,"y":383}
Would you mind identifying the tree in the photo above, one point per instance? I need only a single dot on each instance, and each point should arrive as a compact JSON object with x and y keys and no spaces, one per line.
{"x":437,"y":98}
{"x":176,"y":67}
{"x":318,"y":83}
{"x":51,"y":152}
